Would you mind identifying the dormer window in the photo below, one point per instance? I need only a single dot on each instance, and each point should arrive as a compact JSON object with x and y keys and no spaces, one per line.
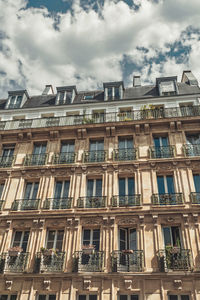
{"x":88,"y":97}
{"x":65,"y":95}
{"x":113,"y":90}
{"x":16,"y":99}
{"x":167,"y":86}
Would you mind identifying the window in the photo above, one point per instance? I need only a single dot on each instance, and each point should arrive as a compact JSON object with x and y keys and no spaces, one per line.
{"x":46,"y":297}
{"x":125,"y":143}
{"x":87,"y":297}
{"x":64,"y":97}
{"x":165,"y":184}
{"x":55,"y":239}
{"x":15,"y":101}
{"x":178,"y":297}
{"x":97,"y":145}
{"x":8,"y":297}
{"x":113,"y":92}
{"x":91,"y":237}
{"x":128,"y":297}
{"x":61,"y":189}
{"x":31,"y":190}
{"x":172,"y":236}
{"x":39,"y":149}
{"x":98,"y":116}
{"x":96,"y":152}
{"x":127,"y":239}
{"x":88,"y":97}
{"x":8,"y":151}
{"x":162,"y":148}
{"x":197,"y":182}
{"x":94,"y":187}
{"x":126,"y":186}
{"x":160,"y":142}
{"x":21,"y":239}
{"x":109,"y":93}
{"x":67,"y":146}
{"x":1,"y":189}
{"x":116,"y":93}
{"x":167,"y":88}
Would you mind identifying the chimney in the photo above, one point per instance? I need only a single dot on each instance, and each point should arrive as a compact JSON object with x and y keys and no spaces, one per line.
{"x":48,"y":90}
{"x":136,"y":80}
{"x":189,"y":78}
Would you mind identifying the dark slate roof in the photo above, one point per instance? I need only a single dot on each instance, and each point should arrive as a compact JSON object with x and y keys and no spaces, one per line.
{"x":138,"y":92}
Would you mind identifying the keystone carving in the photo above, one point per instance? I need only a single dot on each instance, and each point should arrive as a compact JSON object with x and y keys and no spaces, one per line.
{"x":128,"y":284}
{"x":127,"y":221}
{"x":8,"y":284}
{"x":87,"y":283}
{"x":178,"y":284}
{"x":46,"y":284}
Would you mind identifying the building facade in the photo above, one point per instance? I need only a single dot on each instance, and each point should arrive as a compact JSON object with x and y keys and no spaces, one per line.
{"x":100,"y":192}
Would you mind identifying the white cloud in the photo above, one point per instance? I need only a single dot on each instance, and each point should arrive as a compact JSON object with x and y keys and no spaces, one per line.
{"x":88,"y":46}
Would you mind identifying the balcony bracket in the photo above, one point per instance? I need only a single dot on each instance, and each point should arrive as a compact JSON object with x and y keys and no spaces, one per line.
{"x":8,"y":284}
{"x":178,"y":284}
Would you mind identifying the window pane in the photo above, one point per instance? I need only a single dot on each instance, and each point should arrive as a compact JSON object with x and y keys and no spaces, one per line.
{"x":82,"y":297}
{"x":176,"y":236}
{"x":66,"y":189}
{"x":86,"y":236}
{"x":98,"y":187}
{"x":164,"y":141}
{"x":17,"y":239}
{"x":197,"y":183}
{"x":170,"y":184}
{"x":28,"y":190}
{"x":1,"y":189}
{"x":93,"y":297}
{"x":157,"y":142}
{"x":110,"y":93}
{"x":167,"y":236}
{"x":133,"y":239}
{"x":121,"y":143}
{"x":19,"y":100}
{"x":100,"y":145}
{"x":96,"y":238}
{"x":52,"y":297}
{"x":131,"y":186}
{"x":116,"y":93}
{"x":122,"y":236}
{"x":134,"y":297}
{"x":25,"y":241}
{"x":130,"y":143}
{"x":42,"y":297}
{"x":50,"y":239}
{"x":3,"y":297}
{"x":123,"y":297}
{"x":161,"y":186}
{"x":35,"y":190}
{"x":13,"y":297}
{"x":173,"y":297}
{"x":122,"y":187}
{"x":58,"y":189}
{"x":90,"y":183}
{"x":184,"y":297}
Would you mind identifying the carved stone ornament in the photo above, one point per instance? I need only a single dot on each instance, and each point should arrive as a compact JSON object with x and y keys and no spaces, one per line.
{"x":128,"y":284}
{"x":170,"y":220}
{"x":46,"y":284}
{"x":108,"y":221}
{"x":38,"y":223}
{"x":8,"y":284}
{"x":127,"y":221}
{"x":92,"y":221}
{"x":87,"y":283}
{"x":178,"y":284}
{"x":8,"y":223}
{"x":72,"y":222}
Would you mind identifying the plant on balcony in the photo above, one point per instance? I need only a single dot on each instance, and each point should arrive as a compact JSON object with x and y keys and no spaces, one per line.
{"x":88,"y":249}
{"x":87,"y":120}
{"x":15,"y":251}
{"x":127,"y":251}
{"x":48,"y":252}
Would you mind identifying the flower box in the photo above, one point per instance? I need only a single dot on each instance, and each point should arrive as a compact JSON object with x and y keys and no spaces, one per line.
{"x":127,"y":251}
{"x":88,"y":249}
{"x":14,"y":251}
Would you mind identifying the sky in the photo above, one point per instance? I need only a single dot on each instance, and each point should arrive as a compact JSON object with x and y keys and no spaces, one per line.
{"x":88,"y":42}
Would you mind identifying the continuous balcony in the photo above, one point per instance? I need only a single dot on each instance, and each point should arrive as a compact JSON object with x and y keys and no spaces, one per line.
{"x":127,"y":261}
{"x":126,"y":200}
{"x":191,"y":150}
{"x":35,"y":159}
{"x":162,"y":152}
{"x":125,"y":154}
{"x":50,"y":263}
{"x":167,"y":199}
{"x":91,"y":202}
{"x":88,"y":262}
{"x":6,"y":161}
{"x":25,"y":204}
{"x":64,"y":158}
{"x":195,"y":198}
{"x":94,"y":156}
{"x":142,"y":114}
{"x":174,"y":258}
{"x":14,"y":264}
{"x":57,"y":203}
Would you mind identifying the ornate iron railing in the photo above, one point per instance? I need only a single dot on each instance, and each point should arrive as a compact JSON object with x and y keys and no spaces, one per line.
{"x":191,"y":150}
{"x":127,"y":261}
{"x":6,"y":161}
{"x":91,"y":202}
{"x":195,"y":198}
{"x":94,"y":156}
{"x":73,"y":120}
{"x":174,"y":258}
{"x":126,"y":200}
{"x":35,"y":159}
{"x":57,"y":203}
{"x":64,"y":158}
{"x":25,"y":204}
{"x":88,"y":262}
{"x":1,"y":204}
{"x":162,"y":152}
{"x":167,"y":199}
{"x":14,"y":264}
{"x":50,"y":263}
{"x":125,"y":154}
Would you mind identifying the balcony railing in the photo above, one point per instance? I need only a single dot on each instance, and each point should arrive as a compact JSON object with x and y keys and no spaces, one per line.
{"x":35,"y":159}
{"x":195,"y":198}
{"x":1,"y":204}
{"x":73,"y":120}
{"x":191,"y":150}
{"x":25,"y":204}
{"x":174,"y":258}
{"x":125,"y":154}
{"x":126,"y":200}
{"x":14,"y":264}
{"x":64,"y":158}
{"x":57,"y":203}
{"x":83,"y":262}
{"x":167,"y":199}
{"x":91,"y":202}
{"x":6,"y":161}
{"x":162,"y":152}
{"x":94,"y":156}
{"x":50,"y":263}
{"x":130,"y":261}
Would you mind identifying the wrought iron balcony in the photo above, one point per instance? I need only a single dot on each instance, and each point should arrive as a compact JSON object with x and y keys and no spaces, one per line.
{"x":14,"y":264}
{"x":195,"y":198}
{"x":126,"y":116}
{"x":162,"y":152}
{"x":174,"y":258}
{"x":127,"y":261}
{"x":35,"y":159}
{"x":91,"y":202}
{"x":25,"y":204}
{"x":64,"y":158}
{"x":6,"y":161}
{"x":125,"y":154}
{"x":57,"y":203}
{"x":1,"y":204}
{"x":167,"y":199}
{"x":191,"y":150}
{"x":50,"y":262}
{"x":94,"y":156}
{"x":52,"y":121}
{"x":84,"y":262}
{"x":126,"y":200}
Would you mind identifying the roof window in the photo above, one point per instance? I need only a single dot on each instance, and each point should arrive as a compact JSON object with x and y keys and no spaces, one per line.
{"x":65,"y":95}
{"x":167,"y":86}
{"x":113,"y":90}
{"x":16,"y":99}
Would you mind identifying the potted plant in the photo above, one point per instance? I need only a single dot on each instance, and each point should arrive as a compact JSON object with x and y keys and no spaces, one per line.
{"x":88,"y":249}
{"x":48,"y":252}
{"x":15,"y":251}
{"x":127,"y":251}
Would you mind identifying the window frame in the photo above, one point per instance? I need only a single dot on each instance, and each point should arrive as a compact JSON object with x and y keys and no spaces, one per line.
{"x":179,"y":296}
{"x":55,"y":238}
{"x":32,"y":190}
{"x":127,"y":238}
{"x":14,"y":102}
{"x":171,"y":236}
{"x":21,"y":239}
{"x":9,"y":296}
{"x":91,"y":236}
{"x":126,"y":185}
{"x":94,"y":188}
{"x":46,"y":296}
{"x":62,"y":189}
{"x":87,"y":296}
{"x":128,"y":296}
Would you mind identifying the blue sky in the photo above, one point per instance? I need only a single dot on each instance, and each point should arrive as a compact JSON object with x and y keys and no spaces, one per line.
{"x":88,"y":42}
